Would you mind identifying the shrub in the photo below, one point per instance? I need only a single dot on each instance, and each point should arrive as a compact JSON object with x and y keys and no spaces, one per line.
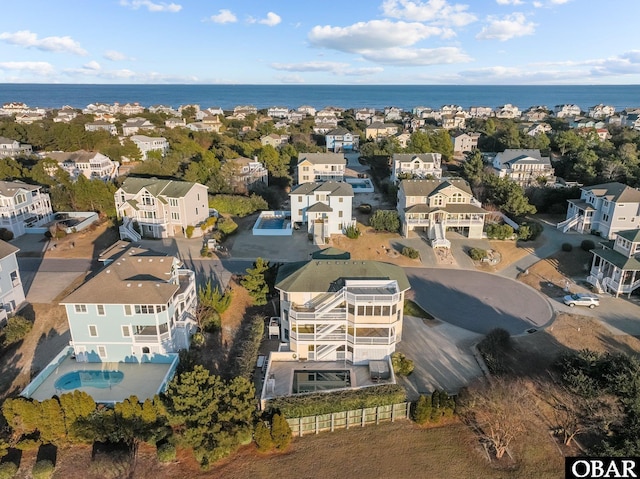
{"x":422,"y":411}
{"x":166,"y":452}
{"x":529,"y":230}
{"x":189,"y":231}
{"x":17,"y":328}
{"x":262,"y":437}
{"x":493,"y":348}
{"x":567,"y":247}
{"x":352,"y":232}
{"x":238,"y":205}
{"x":5,"y":234}
{"x":385,"y":220}
{"x":478,"y":254}
{"x":587,"y":245}
{"x":410,"y":252}
{"x":210,"y":222}
{"x":247,"y":347}
{"x":401,"y":365}
{"x":227,"y":226}
{"x":197,"y":339}
{"x":280,"y":431}
{"x":8,"y":470}
{"x":60,"y":234}
{"x":499,"y":232}
{"x":112,"y":465}
{"x":42,"y":469}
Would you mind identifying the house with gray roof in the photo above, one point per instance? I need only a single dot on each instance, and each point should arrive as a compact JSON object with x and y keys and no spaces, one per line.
{"x":616,"y":265}
{"x":11,"y":290}
{"x":91,"y":164}
{"x":604,"y":210}
{"x":316,"y":167}
{"x":155,"y":208}
{"x":134,"y":125}
{"x":146,"y":144}
{"x":416,"y":166}
{"x":325,"y":208}
{"x":432,"y":207}
{"x":139,"y":307}
{"x":527,"y":167}
{"x":13,"y":148}
{"x":341,"y":309}
{"x":23,"y":206}
{"x":341,"y":140}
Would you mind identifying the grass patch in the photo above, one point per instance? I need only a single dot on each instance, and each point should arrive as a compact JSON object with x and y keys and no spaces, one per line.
{"x":413,"y":309}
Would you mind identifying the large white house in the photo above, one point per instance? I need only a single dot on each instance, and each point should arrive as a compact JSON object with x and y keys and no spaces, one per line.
{"x":146,"y":144}
{"x":434,"y":206}
{"x":616,"y":267}
{"x":138,"y":308}
{"x":23,"y":206}
{"x":416,"y":166}
{"x":335,"y":310}
{"x":314,"y":167}
{"x":160,"y":208}
{"x":11,"y":290}
{"x":91,"y":164}
{"x":527,"y":167}
{"x":604,"y":209}
{"x":326,"y":208}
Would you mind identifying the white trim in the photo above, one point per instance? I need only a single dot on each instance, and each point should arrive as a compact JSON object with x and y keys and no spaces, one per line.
{"x":95,"y":326}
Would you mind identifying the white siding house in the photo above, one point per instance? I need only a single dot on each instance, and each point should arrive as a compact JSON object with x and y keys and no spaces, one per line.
{"x":22,"y":206}
{"x":11,"y":290}
{"x":315,"y":167}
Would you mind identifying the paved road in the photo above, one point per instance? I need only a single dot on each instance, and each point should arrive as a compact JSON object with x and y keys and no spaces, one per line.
{"x":477,"y":301}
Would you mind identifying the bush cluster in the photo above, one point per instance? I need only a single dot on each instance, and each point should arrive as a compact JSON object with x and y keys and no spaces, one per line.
{"x":166,"y":452}
{"x":385,"y":220}
{"x":478,"y":254}
{"x":410,"y":252}
{"x":499,"y":232}
{"x":246,"y":348}
{"x":529,"y":230}
{"x":567,"y":247}
{"x":227,"y":226}
{"x":493,"y":348}
{"x":587,"y":245}
{"x":431,"y":408}
{"x":16,"y":330}
{"x":42,"y":469}
{"x":401,"y":365}
{"x":189,"y":231}
{"x":238,"y":205}
{"x":352,"y":232}
{"x":8,"y":470}
{"x":277,"y":435}
{"x":5,"y":234}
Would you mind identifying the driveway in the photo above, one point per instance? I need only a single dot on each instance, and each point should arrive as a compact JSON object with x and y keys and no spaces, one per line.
{"x":441,"y":354}
{"x":477,"y":301}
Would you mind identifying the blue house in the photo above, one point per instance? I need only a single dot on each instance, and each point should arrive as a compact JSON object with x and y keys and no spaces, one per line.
{"x":341,"y":140}
{"x":139,"y":307}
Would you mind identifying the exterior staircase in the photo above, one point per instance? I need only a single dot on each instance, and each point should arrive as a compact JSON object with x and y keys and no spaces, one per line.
{"x":567,"y":224}
{"x":440,"y":241}
{"x":127,"y":231}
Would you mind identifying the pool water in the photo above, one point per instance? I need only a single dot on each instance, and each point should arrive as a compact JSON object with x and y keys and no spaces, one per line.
{"x":272,"y":223}
{"x":318,"y":380}
{"x":95,"y":379}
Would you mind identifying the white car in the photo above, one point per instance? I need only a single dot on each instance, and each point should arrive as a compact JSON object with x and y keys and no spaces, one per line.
{"x":581,"y":299}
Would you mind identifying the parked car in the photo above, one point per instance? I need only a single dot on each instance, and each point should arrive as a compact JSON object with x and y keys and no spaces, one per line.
{"x":582,"y":299}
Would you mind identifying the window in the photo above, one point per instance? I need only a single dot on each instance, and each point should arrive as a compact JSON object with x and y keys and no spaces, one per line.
{"x":93,"y":330}
{"x":605,"y":218}
{"x":102,"y":352}
{"x":100,"y":309}
{"x":622,"y":219}
{"x":80,"y":308}
{"x":175,"y":216}
{"x":340,"y":199}
{"x":144,"y":308}
{"x":126,"y":331}
{"x":339,"y":214}
{"x":127,"y":310}
{"x":173,"y":201}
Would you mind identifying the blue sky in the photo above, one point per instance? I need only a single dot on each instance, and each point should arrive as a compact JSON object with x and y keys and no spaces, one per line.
{"x":325,"y":42}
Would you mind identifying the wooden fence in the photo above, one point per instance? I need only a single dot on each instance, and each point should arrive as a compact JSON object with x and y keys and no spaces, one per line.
{"x":301,"y":426}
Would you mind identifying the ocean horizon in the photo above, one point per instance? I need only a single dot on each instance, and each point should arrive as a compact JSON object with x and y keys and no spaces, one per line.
{"x":261,"y":96}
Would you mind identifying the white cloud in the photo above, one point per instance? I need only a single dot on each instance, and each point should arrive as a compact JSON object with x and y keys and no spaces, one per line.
{"x":372,"y":35}
{"x":92,"y":65}
{"x":434,"y":11}
{"x":509,"y":2}
{"x":224,"y":16}
{"x":538,"y":4}
{"x":291,"y":79}
{"x":271,"y":20}
{"x":507,"y":27}
{"x":337,"y":68}
{"x":27,"y":39}
{"x":417,"y":56}
{"x":151,"y":6}
{"x":115,"y":56}
{"x":39,"y":68}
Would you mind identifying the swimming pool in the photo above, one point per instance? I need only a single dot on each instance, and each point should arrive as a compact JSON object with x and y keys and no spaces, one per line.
{"x":319,"y":380}
{"x":272,"y":223}
{"x":94,"y":379}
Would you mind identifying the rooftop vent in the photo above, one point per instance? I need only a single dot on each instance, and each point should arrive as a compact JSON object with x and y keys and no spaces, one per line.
{"x":128,"y":285}
{"x":108,"y":271}
{"x":139,"y":285}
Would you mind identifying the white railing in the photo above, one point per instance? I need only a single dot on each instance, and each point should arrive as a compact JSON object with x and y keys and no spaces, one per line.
{"x":377,"y":299}
{"x":440,"y":241}
{"x":595,"y":281}
{"x":569,"y":223}
{"x":127,"y":231}
{"x":359,"y":340}
{"x":339,"y":314}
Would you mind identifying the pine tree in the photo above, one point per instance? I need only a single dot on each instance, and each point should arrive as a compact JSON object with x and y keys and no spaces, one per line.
{"x":422,"y":412}
{"x":255,"y":282}
{"x":262,"y":437}
{"x":280,"y":431}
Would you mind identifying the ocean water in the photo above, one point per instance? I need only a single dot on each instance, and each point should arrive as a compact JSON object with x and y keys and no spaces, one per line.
{"x":319,"y":96}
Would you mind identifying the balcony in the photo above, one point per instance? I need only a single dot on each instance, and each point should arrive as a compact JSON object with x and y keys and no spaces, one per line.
{"x":151,"y":338}
{"x":371,"y":340}
{"x":298,"y":314}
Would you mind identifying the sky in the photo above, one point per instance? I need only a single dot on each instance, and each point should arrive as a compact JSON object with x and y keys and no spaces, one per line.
{"x":418,"y":42}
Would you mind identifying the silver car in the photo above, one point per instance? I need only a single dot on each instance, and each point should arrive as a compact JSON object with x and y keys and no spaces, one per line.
{"x":581,"y":299}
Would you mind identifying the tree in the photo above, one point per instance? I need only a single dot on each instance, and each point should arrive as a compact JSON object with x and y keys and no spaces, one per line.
{"x":280,"y":431}
{"x":385,"y":220}
{"x":211,"y":416}
{"x":473,"y":168}
{"x":256,"y":283}
{"x":495,"y":411}
{"x":262,"y":437}
{"x":277,"y":165}
{"x":419,"y":143}
{"x":422,"y":411}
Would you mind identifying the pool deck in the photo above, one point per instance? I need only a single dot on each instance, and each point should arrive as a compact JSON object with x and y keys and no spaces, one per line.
{"x":282,"y":374}
{"x":142,"y":380}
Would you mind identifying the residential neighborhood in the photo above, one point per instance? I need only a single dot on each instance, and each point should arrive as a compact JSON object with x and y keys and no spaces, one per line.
{"x":327,"y":268}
